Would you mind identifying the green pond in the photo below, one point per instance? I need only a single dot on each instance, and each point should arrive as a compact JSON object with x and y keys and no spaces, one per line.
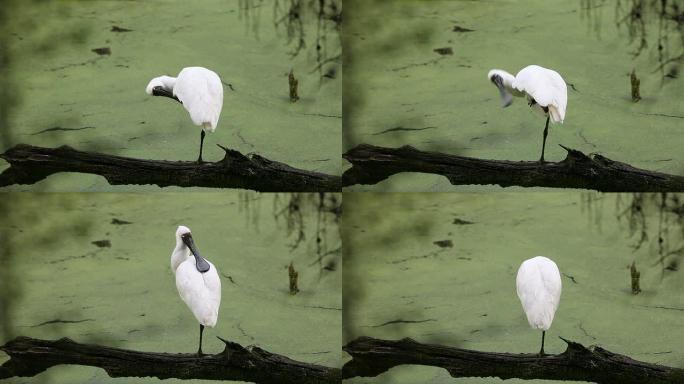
{"x":124,"y":294}
{"x":463,"y":294}
{"x":399,"y":91}
{"x":98,"y":102}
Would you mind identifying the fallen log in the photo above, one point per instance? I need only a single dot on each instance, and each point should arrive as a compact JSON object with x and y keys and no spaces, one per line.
{"x":372,"y":164}
{"x":30,"y":164}
{"x":371,"y":357}
{"x":29,"y":357}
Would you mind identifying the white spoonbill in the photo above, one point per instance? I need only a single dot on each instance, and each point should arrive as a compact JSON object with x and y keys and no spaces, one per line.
{"x":197,"y":281}
{"x":199,"y":90}
{"x":539,"y":289}
{"x":544,"y":88}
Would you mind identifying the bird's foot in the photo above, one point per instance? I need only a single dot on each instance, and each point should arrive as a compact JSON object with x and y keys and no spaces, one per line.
{"x":200,"y":353}
{"x":542,"y":161}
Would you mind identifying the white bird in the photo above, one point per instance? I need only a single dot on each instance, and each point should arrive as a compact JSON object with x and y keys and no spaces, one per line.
{"x":199,"y":90}
{"x":544,"y":89}
{"x":539,"y":288}
{"x":197,"y":281}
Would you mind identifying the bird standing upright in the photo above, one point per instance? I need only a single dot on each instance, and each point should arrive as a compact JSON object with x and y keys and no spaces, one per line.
{"x":539,"y":288}
{"x":197,"y":281}
{"x":199,"y":90}
{"x":544,"y":88}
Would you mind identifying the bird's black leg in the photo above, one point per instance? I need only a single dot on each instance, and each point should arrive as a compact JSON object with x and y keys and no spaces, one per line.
{"x":546,"y":132}
{"x":199,"y":160}
{"x":541,"y":352}
{"x":199,"y":351}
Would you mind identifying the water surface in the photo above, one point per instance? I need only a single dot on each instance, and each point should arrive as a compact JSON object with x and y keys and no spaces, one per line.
{"x":70,"y":95}
{"x":399,"y":91}
{"x":123,"y":293}
{"x":462,"y":293}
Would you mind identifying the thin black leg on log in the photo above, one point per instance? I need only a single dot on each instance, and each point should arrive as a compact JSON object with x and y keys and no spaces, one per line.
{"x":541,"y":352}
{"x":199,"y":351}
{"x":199,"y":160}
{"x":546,"y":132}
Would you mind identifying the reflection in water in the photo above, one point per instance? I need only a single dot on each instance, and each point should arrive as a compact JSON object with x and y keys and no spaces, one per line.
{"x":292,"y":16}
{"x":653,"y":222}
{"x":664,"y":236}
{"x":655,"y":24}
{"x":293,"y":208}
{"x":296,"y":18}
{"x":292,"y":213}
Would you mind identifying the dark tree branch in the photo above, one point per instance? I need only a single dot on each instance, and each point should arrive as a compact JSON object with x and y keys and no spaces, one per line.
{"x":371,"y":357}
{"x":371,"y":164}
{"x":29,"y":164}
{"x":29,"y":357}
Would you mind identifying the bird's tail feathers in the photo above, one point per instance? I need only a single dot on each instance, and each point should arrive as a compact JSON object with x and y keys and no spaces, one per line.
{"x":556,"y":117}
{"x":208,"y":127}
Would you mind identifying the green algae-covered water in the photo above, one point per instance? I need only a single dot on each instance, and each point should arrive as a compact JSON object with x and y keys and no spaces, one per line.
{"x":122,"y":293}
{"x":70,"y":95}
{"x":399,"y":91}
{"x":399,"y":283}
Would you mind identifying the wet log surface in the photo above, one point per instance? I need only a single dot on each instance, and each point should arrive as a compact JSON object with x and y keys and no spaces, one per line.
{"x":371,"y":357}
{"x":30,"y":164}
{"x":29,"y":357}
{"x":372,"y":164}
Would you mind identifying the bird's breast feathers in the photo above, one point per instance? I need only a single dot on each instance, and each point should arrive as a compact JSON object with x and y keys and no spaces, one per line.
{"x":200,"y":291}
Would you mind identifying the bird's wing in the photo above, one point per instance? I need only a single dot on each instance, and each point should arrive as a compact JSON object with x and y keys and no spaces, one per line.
{"x":539,"y":287}
{"x":201,"y":93}
{"x":202,"y":294}
{"x":215,"y":89}
{"x":546,"y":87}
{"x":213,"y":284}
{"x":551,"y":280}
{"x":527,"y":285}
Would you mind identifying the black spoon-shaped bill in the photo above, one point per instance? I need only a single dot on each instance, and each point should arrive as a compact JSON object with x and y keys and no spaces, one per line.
{"x":506,"y":97}
{"x":200,"y":263}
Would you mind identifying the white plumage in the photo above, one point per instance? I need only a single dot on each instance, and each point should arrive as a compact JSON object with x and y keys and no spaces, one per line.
{"x":199,"y":90}
{"x":201,"y":291}
{"x":539,"y":288}
{"x":544,"y":88}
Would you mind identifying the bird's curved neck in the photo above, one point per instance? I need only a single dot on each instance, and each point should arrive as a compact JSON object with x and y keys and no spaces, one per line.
{"x":179,"y":255}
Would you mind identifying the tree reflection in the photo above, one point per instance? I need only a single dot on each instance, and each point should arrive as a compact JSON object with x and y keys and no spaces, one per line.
{"x":638,"y":18}
{"x":296,"y":18}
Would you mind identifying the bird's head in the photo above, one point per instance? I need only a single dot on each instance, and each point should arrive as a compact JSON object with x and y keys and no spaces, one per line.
{"x":156,"y":82}
{"x":166,"y":83}
{"x":182,"y":230}
{"x":183,"y":234}
{"x":504,"y":82}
